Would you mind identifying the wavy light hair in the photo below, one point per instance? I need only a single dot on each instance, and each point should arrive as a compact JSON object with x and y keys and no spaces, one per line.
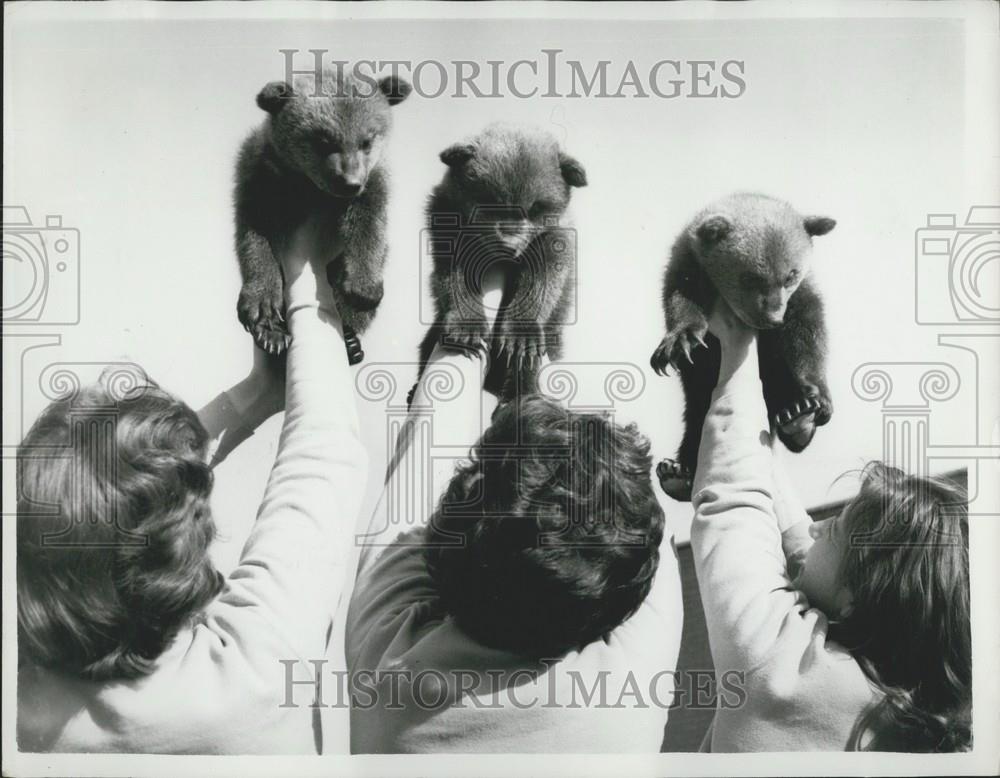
{"x":113,"y":530}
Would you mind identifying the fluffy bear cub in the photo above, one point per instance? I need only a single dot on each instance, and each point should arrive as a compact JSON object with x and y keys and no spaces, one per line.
{"x":502,"y":202}
{"x":754,"y":251}
{"x":316,"y":158}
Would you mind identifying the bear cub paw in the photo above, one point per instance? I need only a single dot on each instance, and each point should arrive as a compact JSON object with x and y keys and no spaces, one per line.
{"x":676,"y":349}
{"x":675,"y":480}
{"x":464,"y":333}
{"x":353,"y":343}
{"x":797,"y":421}
{"x":521,"y":343}
{"x":363,"y":296}
{"x":260,"y":313}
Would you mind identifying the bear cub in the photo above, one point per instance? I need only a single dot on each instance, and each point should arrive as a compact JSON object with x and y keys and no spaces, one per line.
{"x":754,"y":251}
{"x":501,"y":201}
{"x":316,"y":158}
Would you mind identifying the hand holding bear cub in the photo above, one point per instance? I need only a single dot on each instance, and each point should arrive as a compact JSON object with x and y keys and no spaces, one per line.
{"x":500,"y":204}
{"x":753,"y":251}
{"x":317,"y":157}
{"x":317,"y":160}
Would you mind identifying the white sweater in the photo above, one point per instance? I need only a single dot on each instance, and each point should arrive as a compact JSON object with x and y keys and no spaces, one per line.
{"x":803,"y":693}
{"x":611,"y":696}
{"x":219,"y":687}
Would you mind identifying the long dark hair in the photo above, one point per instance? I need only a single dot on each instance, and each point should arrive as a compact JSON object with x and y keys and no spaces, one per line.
{"x":908,"y":627}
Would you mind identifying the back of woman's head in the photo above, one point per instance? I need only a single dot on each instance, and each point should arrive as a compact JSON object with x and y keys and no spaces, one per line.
{"x":908,"y":625}
{"x":549,"y":538}
{"x":113,"y":530}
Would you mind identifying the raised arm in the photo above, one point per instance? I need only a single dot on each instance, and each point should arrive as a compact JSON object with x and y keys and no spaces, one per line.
{"x":293,"y":564}
{"x":233,"y":415}
{"x":441,"y":427}
{"x":793,"y":521}
{"x":735,"y":535}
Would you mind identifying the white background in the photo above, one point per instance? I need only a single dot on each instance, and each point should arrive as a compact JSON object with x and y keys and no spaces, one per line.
{"x":129,"y":131}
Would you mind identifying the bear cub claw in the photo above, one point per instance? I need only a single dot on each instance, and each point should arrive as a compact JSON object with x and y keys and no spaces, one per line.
{"x":796,"y":422}
{"x":353,"y":343}
{"x":675,"y":480}
{"x":261,"y":315}
{"x":676,"y":348}
{"x":464,"y":334}
{"x":520,"y":343}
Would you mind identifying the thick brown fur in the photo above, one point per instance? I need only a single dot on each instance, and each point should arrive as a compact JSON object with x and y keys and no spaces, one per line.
{"x":317,"y":157}
{"x":754,"y":251}
{"x":502,"y":202}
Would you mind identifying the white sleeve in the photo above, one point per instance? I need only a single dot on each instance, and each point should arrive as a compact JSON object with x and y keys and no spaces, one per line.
{"x":292,"y":569}
{"x":735,"y":537}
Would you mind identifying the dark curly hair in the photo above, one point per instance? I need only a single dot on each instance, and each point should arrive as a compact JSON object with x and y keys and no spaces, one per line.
{"x":113,"y":530}
{"x":908,"y":627}
{"x":549,"y":537}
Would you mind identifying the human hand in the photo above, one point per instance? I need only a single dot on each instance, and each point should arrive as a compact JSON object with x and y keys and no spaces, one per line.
{"x":492,"y":289}
{"x":233,"y":415}
{"x":304,"y":265}
{"x":266,"y":382}
{"x":728,"y":327}
{"x":738,"y":341}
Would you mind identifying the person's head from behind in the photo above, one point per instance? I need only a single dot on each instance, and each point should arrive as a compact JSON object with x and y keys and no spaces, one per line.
{"x":557,"y":530}
{"x":892,"y":573}
{"x":113,"y":530}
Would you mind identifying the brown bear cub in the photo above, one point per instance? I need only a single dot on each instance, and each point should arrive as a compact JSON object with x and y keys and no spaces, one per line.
{"x":754,"y":251}
{"x":316,"y":158}
{"x":501,"y":203}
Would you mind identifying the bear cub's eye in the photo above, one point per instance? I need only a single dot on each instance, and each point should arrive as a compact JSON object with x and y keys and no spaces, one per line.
{"x":366,"y":145}
{"x":540,"y":208}
{"x":328,"y":144}
{"x":754,"y":281}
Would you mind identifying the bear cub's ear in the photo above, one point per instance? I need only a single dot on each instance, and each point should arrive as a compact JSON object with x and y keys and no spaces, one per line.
{"x":272,"y":98}
{"x":712,"y":229}
{"x":458,"y":154}
{"x":572,"y":171}
{"x":818,"y":225}
{"x":395,"y":89}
